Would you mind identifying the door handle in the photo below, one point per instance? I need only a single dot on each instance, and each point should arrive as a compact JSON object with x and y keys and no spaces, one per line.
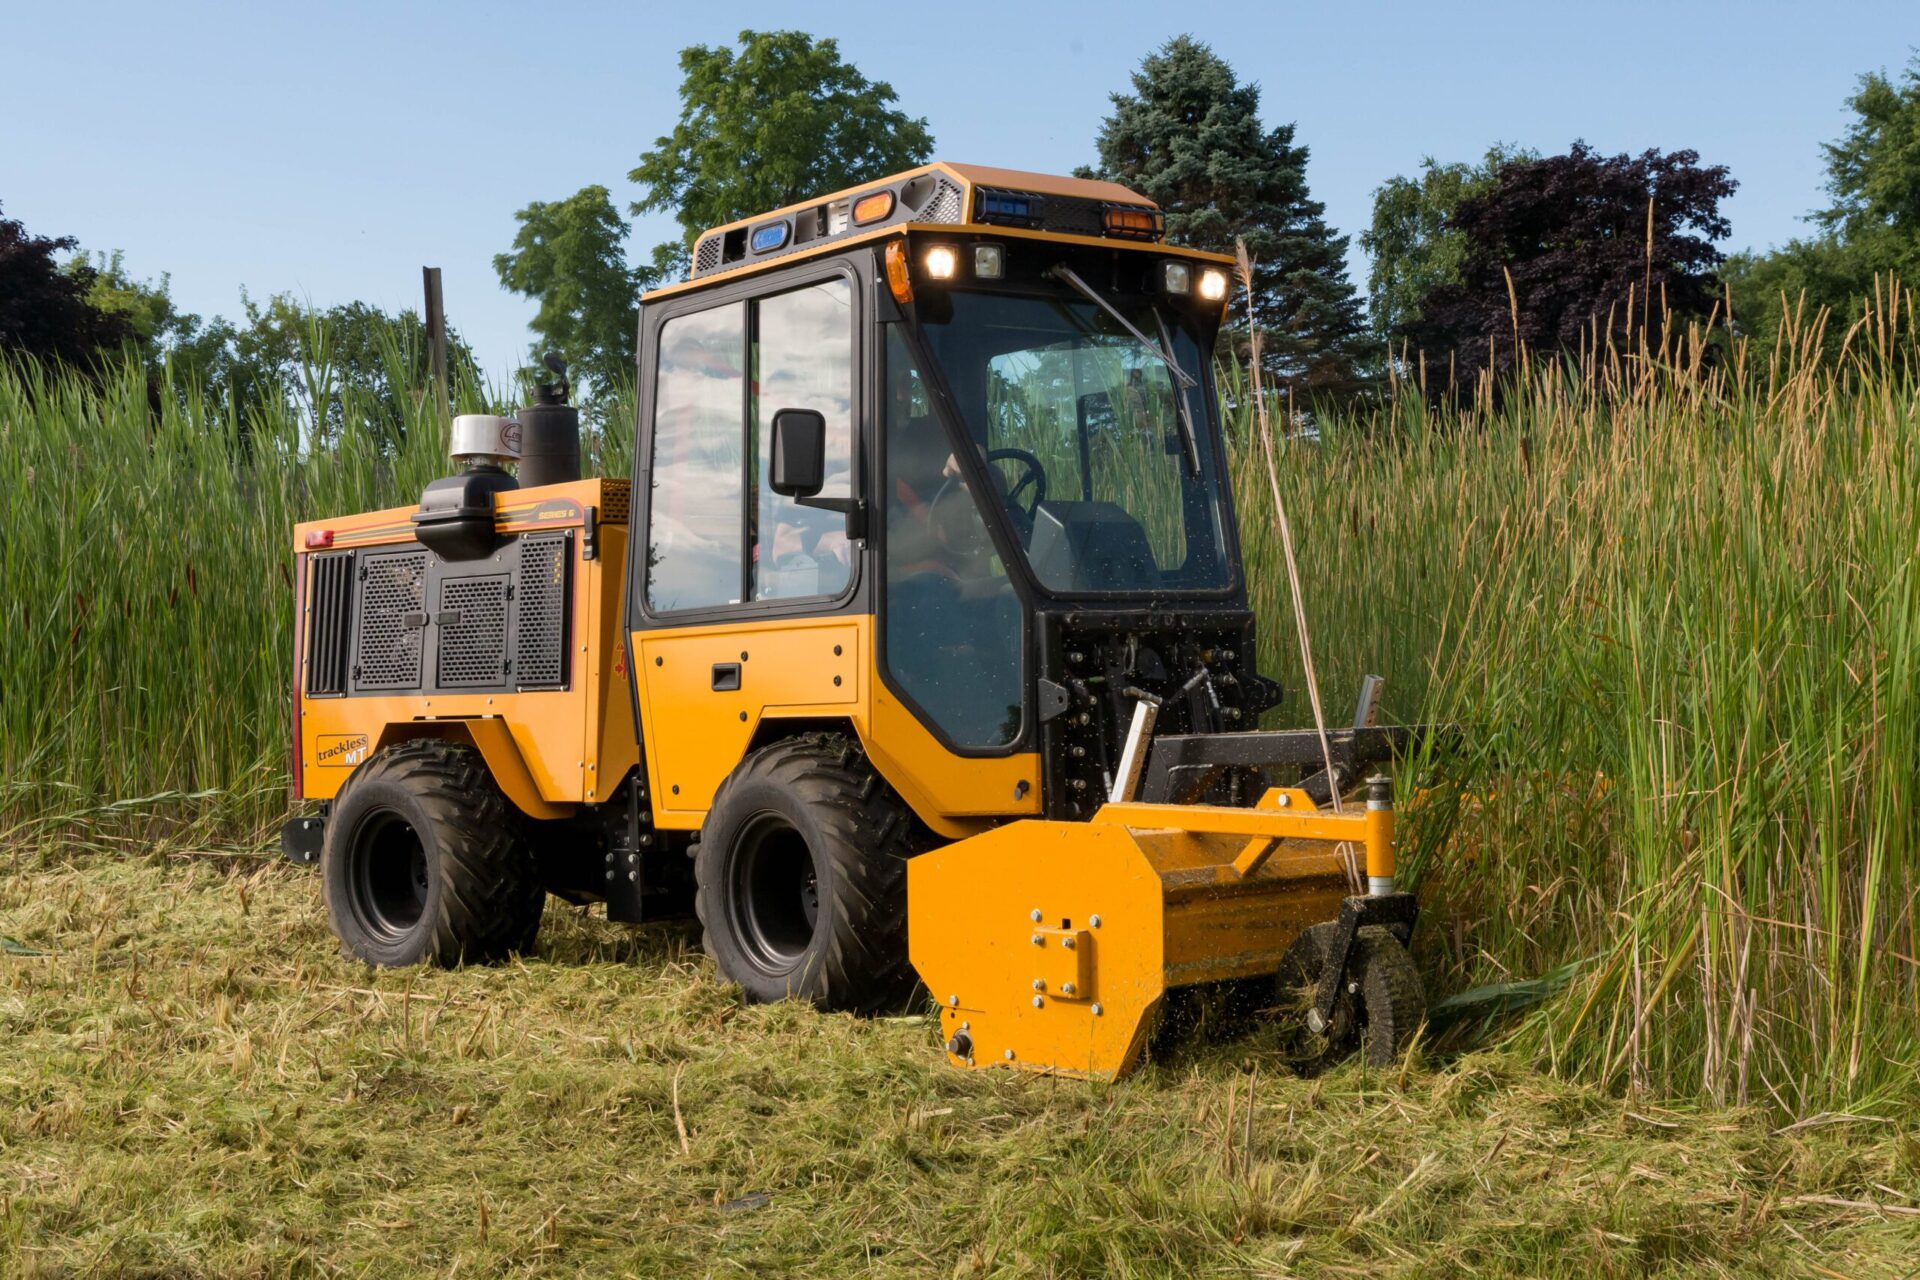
{"x":726,"y":677}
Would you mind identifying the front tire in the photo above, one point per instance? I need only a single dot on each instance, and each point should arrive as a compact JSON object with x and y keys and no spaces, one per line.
{"x":802,"y":874}
{"x":424,"y":861}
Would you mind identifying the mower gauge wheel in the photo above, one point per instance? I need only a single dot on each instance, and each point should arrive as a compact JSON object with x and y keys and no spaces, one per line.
{"x":1380,"y":1001}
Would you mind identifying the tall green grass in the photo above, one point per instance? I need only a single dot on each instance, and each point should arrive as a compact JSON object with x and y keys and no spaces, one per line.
{"x":1670,"y":598}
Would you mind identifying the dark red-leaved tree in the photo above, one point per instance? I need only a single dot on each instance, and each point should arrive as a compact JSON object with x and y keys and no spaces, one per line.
{"x":44,"y":311}
{"x":1571,"y":233}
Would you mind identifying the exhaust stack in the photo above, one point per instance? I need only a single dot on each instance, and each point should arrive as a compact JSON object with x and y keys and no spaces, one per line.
{"x":550,"y":432}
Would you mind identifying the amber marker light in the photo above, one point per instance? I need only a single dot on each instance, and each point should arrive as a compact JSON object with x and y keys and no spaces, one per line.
{"x":897,"y":278}
{"x":1133,"y":224}
{"x":872,"y":208}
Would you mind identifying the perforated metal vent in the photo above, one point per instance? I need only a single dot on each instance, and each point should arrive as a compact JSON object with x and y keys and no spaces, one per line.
{"x":615,"y":496}
{"x":329,"y":623}
{"x":392,"y":596}
{"x":945,"y":206}
{"x":473,"y":630}
{"x":1076,"y":217}
{"x":706,"y":255}
{"x":544,"y":602}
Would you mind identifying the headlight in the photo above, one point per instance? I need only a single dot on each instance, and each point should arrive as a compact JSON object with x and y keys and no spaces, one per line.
{"x":1213,"y":285}
{"x":941,"y":261}
{"x":1176,"y":277}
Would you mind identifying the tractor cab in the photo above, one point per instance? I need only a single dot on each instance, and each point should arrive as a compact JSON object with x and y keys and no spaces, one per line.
{"x":978,"y":406}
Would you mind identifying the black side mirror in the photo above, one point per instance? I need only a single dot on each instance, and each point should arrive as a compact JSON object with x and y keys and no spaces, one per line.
{"x":797,"y":453}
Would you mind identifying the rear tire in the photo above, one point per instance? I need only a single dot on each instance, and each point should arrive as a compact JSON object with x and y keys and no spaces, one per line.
{"x":802,"y":874}
{"x":424,"y":860}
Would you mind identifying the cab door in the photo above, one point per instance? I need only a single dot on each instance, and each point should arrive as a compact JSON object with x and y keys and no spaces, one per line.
{"x":743,"y":604}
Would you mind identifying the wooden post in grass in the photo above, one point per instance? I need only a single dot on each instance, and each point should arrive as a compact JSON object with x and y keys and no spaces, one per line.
{"x":436,"y":335}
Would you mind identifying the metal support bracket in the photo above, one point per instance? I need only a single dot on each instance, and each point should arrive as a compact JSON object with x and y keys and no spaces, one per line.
{"x":301,"y":838}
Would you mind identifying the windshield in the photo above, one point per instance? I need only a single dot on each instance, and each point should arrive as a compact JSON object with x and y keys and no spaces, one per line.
{"x":1081,"y":425}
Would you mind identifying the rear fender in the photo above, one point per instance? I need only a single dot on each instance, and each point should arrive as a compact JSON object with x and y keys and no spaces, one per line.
{"x":494,"y":741}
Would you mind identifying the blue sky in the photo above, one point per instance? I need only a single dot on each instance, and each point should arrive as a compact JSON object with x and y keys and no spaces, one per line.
{"x":331,"y":150}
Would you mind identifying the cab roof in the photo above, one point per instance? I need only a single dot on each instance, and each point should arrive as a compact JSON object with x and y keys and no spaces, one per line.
{"x":941,"y":194}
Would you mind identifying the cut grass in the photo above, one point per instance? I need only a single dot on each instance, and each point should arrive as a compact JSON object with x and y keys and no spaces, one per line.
{"x":194,"y":1082}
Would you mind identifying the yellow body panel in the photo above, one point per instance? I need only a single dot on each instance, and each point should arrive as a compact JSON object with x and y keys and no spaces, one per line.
{"x":550,"y":750}
{"x":1135,"y":902}
{"x":553,"y":750}
{"x":818,"y":668}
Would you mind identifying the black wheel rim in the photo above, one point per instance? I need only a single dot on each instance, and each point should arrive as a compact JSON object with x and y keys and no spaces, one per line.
{"x":774,"y":893}
{"x":388,"y":877}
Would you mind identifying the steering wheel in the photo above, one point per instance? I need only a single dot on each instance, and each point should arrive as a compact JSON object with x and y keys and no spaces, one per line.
{"x":1036,"y":478}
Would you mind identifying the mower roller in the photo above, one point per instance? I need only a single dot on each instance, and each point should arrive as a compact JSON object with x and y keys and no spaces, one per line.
{"x":916,"y":649}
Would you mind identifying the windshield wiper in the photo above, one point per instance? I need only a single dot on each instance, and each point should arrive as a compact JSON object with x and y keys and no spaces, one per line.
{"x":1162,"y":351}
{"x":1189,"y":442}
{"x":1066,"y":275}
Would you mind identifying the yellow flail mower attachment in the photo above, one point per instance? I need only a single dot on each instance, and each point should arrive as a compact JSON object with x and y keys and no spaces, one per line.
{"x":1050,"y":945}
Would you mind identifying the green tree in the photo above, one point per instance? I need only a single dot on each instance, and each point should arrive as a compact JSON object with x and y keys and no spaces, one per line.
{"x":1871,"y":229}
{"x":570,"y":255}
{"x":1873,"y":171}
{"x":1411,"y":248}
{"x":773,"y":123}
{"x":160,"y":333}
{"x":1566,"y":251}
{"x":324,"y":362}
{"x":45,"y":311}
{"x":1189,"y":138}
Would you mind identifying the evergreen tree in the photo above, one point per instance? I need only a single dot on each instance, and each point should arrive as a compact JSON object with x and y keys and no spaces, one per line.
{"x":1189,"y":138}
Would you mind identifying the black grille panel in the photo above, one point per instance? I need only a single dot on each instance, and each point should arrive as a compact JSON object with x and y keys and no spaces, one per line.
{"x":945,"y":206}
{"x":543,"y":601}
{"x":1069,"y":215}
{"x":473,"y":631}
{"x":392,"y":597}
{"x":329,"y":623}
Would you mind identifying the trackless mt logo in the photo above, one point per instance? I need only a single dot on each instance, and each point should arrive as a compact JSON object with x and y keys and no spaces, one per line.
{"x":340,"y":750}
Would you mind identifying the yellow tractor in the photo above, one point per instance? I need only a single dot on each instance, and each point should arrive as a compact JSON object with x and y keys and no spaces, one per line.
{"x":917,"y":645}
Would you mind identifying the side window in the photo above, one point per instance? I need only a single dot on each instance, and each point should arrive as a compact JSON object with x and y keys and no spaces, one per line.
{"x":803,"y":359}
{"x":696,"y":533}
{"x":952,"y":623}
{"x":717,"y":533}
